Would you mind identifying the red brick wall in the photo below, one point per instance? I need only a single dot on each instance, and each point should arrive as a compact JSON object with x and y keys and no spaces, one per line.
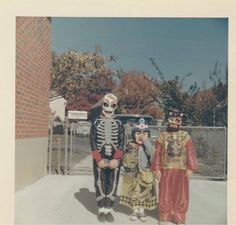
{"x":33,"y":62}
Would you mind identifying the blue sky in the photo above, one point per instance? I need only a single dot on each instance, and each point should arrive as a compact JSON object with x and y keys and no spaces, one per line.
{"x":178,"y":45}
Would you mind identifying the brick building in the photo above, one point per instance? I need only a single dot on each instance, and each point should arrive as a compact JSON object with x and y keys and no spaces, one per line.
{"x":33,"y":63}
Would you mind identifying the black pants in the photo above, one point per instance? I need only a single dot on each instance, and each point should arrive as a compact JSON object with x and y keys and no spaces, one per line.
{"x":105,"y":182}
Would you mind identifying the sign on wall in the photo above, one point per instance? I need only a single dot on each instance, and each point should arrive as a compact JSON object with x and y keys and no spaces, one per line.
{"x":79,"y":115}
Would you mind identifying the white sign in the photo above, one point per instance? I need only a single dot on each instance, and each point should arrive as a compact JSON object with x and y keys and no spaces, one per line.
{"x":79,"y":115}
{"x":57,"y":106}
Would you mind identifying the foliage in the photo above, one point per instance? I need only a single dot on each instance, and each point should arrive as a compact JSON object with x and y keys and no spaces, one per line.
{"x":81,"y":78}
{"x":220,"y":91}
{"x":173,"y":95}
{"x":138,"y":94}
{"x":207,"y":107}
{"x":210,"y":105}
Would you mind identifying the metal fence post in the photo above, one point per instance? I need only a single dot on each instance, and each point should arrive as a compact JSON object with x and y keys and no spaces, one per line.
{"x":66,"y":143}
{"x":50,"y":145}
{"x":71,"y":146}
{"x":59,"y":156}
{"x":225,"y":153}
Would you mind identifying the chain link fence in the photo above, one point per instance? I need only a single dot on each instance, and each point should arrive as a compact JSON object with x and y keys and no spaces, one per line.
{"x":211,"y":150}
{"x":69,"y":146}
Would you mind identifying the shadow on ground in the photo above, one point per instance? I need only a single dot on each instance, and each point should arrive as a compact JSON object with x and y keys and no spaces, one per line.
{"x":88,"y":200}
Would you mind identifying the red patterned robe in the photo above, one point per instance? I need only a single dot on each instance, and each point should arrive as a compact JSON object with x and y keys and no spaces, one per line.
{"x":175,"y":154}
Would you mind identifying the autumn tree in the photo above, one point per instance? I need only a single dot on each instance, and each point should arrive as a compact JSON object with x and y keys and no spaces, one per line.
{"x":81,"y":78}
{"x":137,"y":94}
{"x":220,"y":91}
{"x":202,"y":103}
{"x":208,"y":106}
{"x":173,"y":94}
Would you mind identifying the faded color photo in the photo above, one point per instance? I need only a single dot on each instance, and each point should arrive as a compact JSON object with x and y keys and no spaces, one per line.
{"x":70,"y":139}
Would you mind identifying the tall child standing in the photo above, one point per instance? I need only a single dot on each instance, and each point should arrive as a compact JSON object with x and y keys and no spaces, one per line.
{"x":107,"y":142}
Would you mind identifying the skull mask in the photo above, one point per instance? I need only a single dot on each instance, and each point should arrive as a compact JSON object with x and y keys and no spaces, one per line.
{"x":109,"y":105}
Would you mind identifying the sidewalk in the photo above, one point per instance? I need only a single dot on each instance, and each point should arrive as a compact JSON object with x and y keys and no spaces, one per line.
{"x":57,"y":199}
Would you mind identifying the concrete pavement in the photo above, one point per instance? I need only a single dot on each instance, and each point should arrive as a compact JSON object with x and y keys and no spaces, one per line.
{"x":58,"y":199}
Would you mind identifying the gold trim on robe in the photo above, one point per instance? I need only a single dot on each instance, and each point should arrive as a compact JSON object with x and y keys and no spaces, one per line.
{"x":174,"y":143}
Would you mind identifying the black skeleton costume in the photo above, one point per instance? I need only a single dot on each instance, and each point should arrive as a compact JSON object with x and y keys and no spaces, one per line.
{"x":107,"y":143}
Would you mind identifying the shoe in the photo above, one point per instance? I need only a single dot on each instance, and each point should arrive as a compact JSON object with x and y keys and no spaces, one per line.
{"x":142,"y":216}
{"x":109,"y":217}
{"x":133,"y":216}
{"x":101,"y":217}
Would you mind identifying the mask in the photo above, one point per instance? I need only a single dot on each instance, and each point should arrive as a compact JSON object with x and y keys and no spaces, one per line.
{"x":174,"y":120}
{"x":109,"y":105}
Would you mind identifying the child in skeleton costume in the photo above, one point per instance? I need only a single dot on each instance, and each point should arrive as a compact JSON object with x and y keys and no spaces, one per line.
{"x":138,"y":191}
{"x":107,"y":142}
{"x":173,"y":164}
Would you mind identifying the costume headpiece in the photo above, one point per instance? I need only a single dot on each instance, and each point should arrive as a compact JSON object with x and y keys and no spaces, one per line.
{"x":174,"y":119}
{"x":141,"y":126}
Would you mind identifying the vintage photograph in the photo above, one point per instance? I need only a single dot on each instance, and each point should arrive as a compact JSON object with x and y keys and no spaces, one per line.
{"x":121,"y":120}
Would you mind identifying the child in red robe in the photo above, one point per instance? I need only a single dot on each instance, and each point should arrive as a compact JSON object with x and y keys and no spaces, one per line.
{"x":173,"y":164}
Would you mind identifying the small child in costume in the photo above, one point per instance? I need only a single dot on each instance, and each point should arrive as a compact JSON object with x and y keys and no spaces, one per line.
{"x":138,"y":190}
